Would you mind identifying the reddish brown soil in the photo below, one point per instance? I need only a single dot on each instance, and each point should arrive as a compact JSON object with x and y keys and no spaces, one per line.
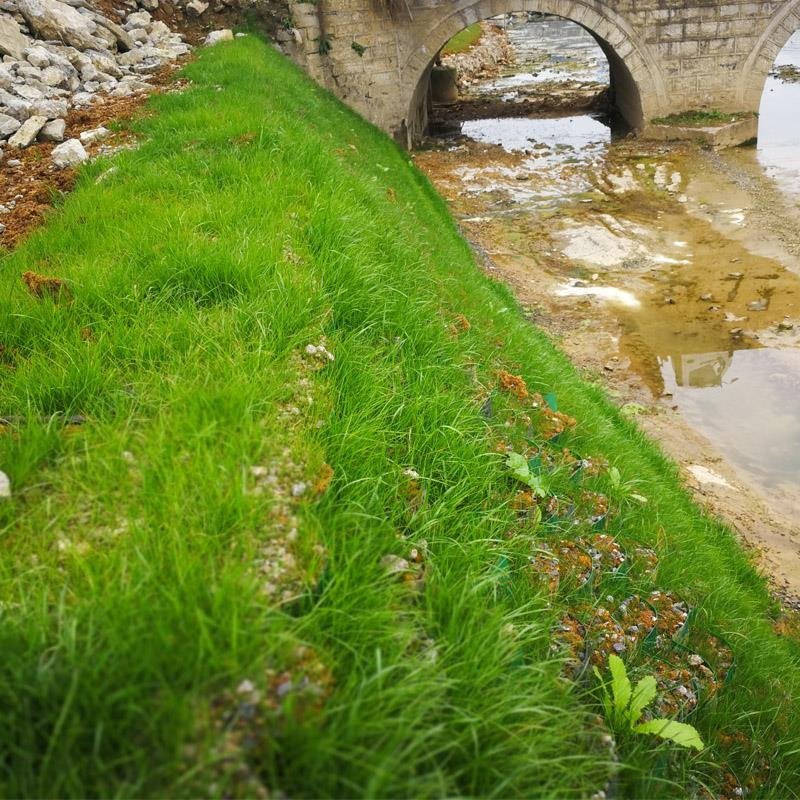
{"x":36,"y":184}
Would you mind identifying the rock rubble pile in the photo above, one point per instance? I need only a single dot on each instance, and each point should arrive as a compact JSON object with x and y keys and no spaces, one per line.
{"x":484,"y":60}
{"x":57,"y":56}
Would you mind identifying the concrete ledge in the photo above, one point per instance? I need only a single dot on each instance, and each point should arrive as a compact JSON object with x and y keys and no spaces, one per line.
{"x":730,"y":134}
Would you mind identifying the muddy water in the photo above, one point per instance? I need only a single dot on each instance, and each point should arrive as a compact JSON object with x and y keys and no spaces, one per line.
{"x":673,"y":274}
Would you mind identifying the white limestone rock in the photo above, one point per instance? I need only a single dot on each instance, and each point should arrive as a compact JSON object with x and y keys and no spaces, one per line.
{"x":224,"y":35}
{"x":55,"y":76}
{"x":69,"y":154}
{"x":28,"y":92}
{"x":159,"y":31}
{"x":81,"y":99}
{"x":121,"y":90}
{"x":105,"y":62}
{"x":135,"y":84}
{"x":94,"y":135}
{"x":58,"y":54}
{"x":12,"y":40}
{"x":51,"y":109}
{"x":15,"y":106}
{"x":139,"y":19}
{"x":139,"y":35}
{"x":53,"y":131}
{"x":131,"y":58}
{"x":8,"y":125}
{"x":28,"y":73}
{"x":177,"y":49}
{"x":89,"y":72}
{"x":27,"y":132}
{"x":51,"y":19}
{"x":119,"y":35}
{"x":38,"y":57}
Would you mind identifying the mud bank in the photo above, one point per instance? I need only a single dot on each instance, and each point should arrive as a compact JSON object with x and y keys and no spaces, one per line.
{"x":553,"y":99}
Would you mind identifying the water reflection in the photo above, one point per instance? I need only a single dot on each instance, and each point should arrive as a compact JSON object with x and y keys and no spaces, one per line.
{"x":747,"y":406}
{"x":744,"y":401}
{"x":700,"y":370}
{"x":585,"y":134}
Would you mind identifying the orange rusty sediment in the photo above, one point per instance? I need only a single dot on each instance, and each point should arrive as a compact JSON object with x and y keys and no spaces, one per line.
{"x":514,"y":384}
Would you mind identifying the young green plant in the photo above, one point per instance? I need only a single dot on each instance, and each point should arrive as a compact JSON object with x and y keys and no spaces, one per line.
{"x":624,"y":706}
{"x":521,"y":469}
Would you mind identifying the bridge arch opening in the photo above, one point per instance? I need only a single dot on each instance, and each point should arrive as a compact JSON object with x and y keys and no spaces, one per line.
{"x":778,"y":146}
{"x":635,"y":91}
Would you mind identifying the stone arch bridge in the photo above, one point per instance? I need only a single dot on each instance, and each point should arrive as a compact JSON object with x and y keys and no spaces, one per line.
{"x":666,"y":56}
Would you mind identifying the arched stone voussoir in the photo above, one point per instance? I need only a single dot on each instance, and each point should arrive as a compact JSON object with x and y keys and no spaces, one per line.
{"x":761,"y":59}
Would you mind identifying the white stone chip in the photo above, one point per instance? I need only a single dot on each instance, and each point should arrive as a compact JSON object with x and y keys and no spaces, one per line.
{"x":5,"y":486}
{"x":94,"y":135}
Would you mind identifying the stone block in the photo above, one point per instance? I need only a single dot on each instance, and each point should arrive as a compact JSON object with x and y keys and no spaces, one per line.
{"x":718,"y":136}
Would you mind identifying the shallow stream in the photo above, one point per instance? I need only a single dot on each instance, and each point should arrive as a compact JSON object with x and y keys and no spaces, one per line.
{"x":673,"y":273}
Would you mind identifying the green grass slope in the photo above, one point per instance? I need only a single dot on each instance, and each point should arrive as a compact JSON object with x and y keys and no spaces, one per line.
{"x":201,"y":584}
{"x":463,"y":40}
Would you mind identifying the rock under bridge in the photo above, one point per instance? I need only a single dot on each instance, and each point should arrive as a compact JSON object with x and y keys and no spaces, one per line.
{"x":666,"y":56}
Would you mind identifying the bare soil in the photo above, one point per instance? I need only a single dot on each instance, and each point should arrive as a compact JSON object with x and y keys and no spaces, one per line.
{"x":557,"y":99}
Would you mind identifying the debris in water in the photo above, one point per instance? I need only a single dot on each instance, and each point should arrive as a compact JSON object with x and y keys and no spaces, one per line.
{"x":610,"y":293}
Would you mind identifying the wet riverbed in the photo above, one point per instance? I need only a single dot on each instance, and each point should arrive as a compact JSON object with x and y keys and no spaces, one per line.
{"x":673,"y":274}
{"x":548,"y":50}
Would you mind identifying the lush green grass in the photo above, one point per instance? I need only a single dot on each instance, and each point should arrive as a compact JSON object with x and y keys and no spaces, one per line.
{"x":257,"y":217}
{"x":463,"y":41}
